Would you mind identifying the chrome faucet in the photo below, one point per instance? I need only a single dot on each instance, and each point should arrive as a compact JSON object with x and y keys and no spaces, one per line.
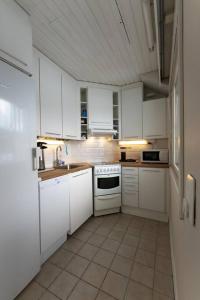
{"x":57,"y":160}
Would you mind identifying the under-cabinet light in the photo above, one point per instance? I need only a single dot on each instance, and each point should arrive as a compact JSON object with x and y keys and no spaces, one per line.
{"x":139,"y":142}
{"x":51,"y":141}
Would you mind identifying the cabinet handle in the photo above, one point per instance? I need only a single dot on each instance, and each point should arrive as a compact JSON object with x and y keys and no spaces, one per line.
{"x":53,"y":133}
{"x":14,"y":57}
{"x":34,"y":159}
{"x":80,"y":174}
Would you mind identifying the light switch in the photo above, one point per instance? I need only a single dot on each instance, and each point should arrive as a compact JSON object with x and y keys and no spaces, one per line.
{"x":190,"y":195}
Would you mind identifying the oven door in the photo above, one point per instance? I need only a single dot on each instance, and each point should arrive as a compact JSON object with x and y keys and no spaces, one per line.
{"x":107,"y":184}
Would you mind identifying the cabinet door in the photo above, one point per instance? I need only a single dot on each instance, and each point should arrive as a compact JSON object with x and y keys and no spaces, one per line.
{"x":154,"y":118}
{"x":50,"y":97}
{"x":70,"y":108}
{"x":54,"y":211}
{"x":130,"y":198}
{"x":132,"y":113}
{"x":152,"y":189}
{"x":81,"y":200}
{"x":15,"y":36}
{"x":100,"y":103}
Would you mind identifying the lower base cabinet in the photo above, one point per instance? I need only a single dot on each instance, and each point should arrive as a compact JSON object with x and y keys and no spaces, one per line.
{"x":152,"y":189}
{"x":81,"y":198}
{"x":144,"y":191}
{"x":54,"y":214}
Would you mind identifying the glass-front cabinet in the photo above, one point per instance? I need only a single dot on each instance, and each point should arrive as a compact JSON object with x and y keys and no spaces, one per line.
{"x":84,"y":109}
{"x":84,"y":113}
{"x":116,"y":115}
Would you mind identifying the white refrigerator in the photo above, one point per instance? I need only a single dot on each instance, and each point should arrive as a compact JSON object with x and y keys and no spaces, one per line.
{"x":19,"y":204}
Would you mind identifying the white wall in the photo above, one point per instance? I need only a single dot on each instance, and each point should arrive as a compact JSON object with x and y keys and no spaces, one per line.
{"x":186,"y":239}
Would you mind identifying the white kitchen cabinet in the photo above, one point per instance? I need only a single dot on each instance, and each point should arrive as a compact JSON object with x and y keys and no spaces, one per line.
{"x":54,"y":214}
{"x":81,"y":198}
{"x":50,"y":99}
{"x":155,"y":118}
{"x":132,"y":98}
{"x":152,"y":189}
{"x":100,"y":107}
{"x":130,"y":187}
{"x":15,"y":26}
{"x":70,"y":108}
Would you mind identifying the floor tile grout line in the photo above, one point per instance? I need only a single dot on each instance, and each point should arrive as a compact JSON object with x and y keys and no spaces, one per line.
{"x":114,"y":253}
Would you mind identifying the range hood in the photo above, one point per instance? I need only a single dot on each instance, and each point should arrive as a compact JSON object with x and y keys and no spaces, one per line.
{"x":102,"y":132}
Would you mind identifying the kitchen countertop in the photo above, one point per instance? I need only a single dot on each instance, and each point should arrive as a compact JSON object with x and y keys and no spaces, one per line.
{"x":53,"y":173}
{"x":144,"y":165}
{"x":50,"y":174}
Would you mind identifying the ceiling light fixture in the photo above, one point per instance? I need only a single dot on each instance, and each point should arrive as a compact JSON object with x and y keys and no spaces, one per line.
{"x":146,"y":6}
{"x":136,"y":142}
{"x":122,"y":22}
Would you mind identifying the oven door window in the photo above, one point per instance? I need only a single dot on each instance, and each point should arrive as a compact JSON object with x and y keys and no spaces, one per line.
{"x":106,"y":183}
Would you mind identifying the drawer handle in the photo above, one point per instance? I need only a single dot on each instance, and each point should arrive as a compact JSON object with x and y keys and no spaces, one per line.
{"x":152,"y":135}
{"x":53,"y":133}
{"x":152,"y":171}
{"x":79,"y":174}
{"x":130,"y":192}
{"x":68,"y":135}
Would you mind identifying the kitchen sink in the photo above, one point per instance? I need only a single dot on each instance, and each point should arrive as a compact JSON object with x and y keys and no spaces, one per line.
{"x":69,"y":166}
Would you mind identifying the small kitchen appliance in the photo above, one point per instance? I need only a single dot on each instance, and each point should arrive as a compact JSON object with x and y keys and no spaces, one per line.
{"x":41,"y":160}
{"x":155,"y":156}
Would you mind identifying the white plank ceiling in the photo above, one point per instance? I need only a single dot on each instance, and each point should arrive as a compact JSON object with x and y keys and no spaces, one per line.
{"x":86,"y":38}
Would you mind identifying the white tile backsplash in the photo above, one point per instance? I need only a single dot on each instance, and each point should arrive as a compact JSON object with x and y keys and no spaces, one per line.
{"x":96,"y":150}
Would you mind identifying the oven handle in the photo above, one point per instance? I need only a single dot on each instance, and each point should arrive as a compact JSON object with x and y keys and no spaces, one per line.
{"x":108,"y":176}
{"x":106,"y":197}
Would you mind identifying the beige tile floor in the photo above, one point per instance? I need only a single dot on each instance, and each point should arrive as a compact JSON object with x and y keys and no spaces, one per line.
{"x":112,"y":257}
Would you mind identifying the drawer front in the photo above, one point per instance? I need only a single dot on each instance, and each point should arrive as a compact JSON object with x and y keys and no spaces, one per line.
{"x":107,"y":202}
{"x":130,"y":187}
{"x":130,"y":199}
{"x":129,"y":179}
{"x":129,"y":171}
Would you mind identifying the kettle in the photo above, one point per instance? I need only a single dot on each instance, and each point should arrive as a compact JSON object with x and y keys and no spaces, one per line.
{"x":41,"y":156}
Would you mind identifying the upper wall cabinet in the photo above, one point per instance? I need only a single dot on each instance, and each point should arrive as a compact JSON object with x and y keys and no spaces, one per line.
{"x":155,"y":119}
{"x":70,"y":108}
{"x":50,"y":99}
{"x":132,"y":98}
{"x":15,"y":25}
{"x":100,"y":106}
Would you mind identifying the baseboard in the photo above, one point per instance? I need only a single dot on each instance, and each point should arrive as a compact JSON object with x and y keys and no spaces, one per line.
{"x":144,"y":213}
{"x":173,"y":264}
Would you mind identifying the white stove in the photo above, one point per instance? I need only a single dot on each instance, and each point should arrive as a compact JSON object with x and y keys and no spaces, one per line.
{"x":107,"y":188}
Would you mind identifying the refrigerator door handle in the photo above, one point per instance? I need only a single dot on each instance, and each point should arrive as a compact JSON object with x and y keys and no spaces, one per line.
{"x":34,"y":159}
